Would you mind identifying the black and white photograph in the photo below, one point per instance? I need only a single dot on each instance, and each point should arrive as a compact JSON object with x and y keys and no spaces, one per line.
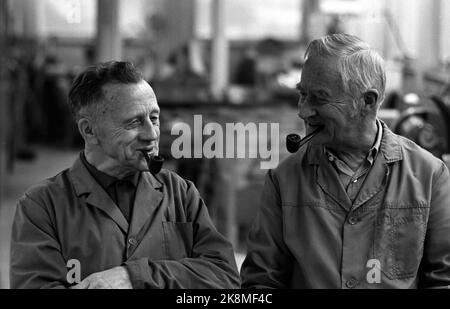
{"x":222,"y":148}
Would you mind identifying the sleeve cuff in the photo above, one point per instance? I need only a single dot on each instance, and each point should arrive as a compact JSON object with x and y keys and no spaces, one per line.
{"x":136,"y":270}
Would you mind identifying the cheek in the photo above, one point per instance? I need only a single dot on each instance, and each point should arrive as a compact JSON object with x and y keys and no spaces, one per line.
{"x":339,"y":118}
{"x":125,"y":142}
{"x":102,"y":133}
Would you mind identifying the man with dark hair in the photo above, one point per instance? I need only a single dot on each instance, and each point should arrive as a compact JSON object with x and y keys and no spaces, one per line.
{"x":359,"y":207}
{"x":107,"y":222}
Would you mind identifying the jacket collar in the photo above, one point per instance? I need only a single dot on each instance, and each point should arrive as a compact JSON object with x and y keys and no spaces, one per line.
{"x":390,"y":145}
{"x":390,"y":148}
{"x":106,"y":180}
{"x":84,"y":182}
{"x":148,"y":196}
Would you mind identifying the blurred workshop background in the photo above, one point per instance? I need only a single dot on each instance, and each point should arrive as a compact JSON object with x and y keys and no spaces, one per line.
{"x":227,"y":60}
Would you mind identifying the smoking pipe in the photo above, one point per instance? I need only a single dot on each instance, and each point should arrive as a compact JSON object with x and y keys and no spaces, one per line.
{"x":154,"y":163}
{"x":294,"y":142}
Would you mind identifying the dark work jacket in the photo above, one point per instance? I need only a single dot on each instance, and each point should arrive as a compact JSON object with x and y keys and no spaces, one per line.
{"x":396,"y":233}
{"x":170,"y":243}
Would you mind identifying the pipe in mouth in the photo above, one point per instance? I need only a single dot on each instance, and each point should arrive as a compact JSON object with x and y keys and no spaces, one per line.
{"x":294,"y":142}
{"x":154,"y":163}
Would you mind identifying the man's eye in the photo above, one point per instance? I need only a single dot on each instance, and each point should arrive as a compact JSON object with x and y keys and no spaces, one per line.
{"x":134,"y":123}
{"x":154,"y":119}
{"x":318,"y":100}
{"x":321,"y":101}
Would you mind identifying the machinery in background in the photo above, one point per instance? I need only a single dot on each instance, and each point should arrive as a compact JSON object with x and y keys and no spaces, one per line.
{"x":427,"y":124}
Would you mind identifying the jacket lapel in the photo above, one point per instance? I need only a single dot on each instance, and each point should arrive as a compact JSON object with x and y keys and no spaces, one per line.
{"x":374,"y":182}
{"x":376,"y":179}
{"x":148,"y":198}
{"x":84,"y":183}
{"x":327,"y":178}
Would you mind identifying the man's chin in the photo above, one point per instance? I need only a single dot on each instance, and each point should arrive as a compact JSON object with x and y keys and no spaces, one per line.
{"x":141,"y":167}
{"x":137,"y":166}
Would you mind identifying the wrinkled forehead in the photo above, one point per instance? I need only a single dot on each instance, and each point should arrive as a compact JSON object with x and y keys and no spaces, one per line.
{"x":118,"y":91}
{"x":320,"y":71}
{"x":122,"y":96}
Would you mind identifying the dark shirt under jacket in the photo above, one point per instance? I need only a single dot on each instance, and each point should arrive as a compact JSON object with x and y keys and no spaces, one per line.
{"x":121,"y":191}
{"x":169,"y":243}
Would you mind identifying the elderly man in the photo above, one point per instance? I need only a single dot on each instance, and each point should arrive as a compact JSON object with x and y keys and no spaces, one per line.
{"x":359,"y":207}
{"x":107,"y":222}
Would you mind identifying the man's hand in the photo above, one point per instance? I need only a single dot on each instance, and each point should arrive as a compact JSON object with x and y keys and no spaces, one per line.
{"x":114,"y":278}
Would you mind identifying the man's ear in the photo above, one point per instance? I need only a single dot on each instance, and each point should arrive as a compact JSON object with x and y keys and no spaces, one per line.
{"x":371,"y":98}
{"x":85,"y":126}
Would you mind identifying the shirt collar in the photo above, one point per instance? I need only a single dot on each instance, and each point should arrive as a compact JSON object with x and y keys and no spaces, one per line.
{"x":372,"y":154}
{"x":376,"y":146}
{"x":104,"y":179}
{"x":390,"y":146}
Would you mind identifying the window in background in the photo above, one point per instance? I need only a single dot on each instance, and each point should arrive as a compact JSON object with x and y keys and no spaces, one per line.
{"x":77,"y":18}
{"x":69,"y":18}
{"x":253,"y":20}
{"x":344,"y":6}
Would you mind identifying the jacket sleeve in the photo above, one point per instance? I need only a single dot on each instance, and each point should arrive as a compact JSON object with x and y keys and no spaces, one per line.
{"x":35,"y":260}
{"x":211,"y":265}
{"x":268,"y":262}
{"x":435,"y":265}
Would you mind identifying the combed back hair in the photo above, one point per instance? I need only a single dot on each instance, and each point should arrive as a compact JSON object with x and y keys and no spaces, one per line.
{"x":360,"y":67}
{"x":86,"y":90}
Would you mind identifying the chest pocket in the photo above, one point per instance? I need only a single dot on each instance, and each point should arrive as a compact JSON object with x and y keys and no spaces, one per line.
{"x":399,"y":237}
{"x":178,"y":239}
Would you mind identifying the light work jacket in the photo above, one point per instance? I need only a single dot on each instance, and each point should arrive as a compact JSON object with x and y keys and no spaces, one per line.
{"x":396,"y":233}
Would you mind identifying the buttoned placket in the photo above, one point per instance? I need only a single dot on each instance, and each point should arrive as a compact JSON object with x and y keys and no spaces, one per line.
{"x":352,"y":227}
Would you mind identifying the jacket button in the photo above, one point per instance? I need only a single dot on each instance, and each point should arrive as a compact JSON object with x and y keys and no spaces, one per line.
{"x":132,"y":241}
{"x":351,"y":283}
{"x":353,"y":220}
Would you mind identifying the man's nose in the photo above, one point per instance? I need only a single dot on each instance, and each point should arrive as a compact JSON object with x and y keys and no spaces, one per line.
{"x":149,"y":131}
{"x":305,"y":110}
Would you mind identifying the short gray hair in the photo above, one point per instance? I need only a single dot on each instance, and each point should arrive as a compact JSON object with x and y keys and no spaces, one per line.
{"x":360,"y":67}
{"x":87,"y":91}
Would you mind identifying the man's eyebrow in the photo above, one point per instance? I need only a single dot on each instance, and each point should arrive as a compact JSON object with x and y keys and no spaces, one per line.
{"x":131,"y":117}
{"x":322,"y":93}
{"x":317,"y":92}
{"x":154,"y":110}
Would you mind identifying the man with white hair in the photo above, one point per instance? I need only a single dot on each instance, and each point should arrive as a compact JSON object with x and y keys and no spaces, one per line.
{"x":359,"y":207}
